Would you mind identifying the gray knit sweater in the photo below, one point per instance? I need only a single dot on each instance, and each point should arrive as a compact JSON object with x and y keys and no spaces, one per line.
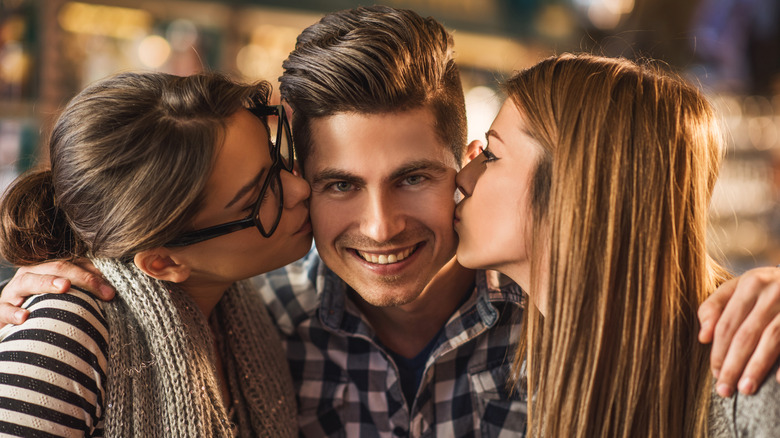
{"x":161,"y":374}
{"x":756,"y":415}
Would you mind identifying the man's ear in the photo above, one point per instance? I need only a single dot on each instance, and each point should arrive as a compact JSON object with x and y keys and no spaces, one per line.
{"x":157,"y":263}
{"x":473,"y":150}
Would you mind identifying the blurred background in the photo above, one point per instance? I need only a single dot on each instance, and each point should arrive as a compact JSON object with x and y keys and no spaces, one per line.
{"x":50,"y":49}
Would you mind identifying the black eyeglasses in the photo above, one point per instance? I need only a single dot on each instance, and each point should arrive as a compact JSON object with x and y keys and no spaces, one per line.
{"x":263,"y":215}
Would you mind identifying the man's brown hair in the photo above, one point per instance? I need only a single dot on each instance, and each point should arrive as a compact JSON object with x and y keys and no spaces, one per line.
{"x":374,"y":60}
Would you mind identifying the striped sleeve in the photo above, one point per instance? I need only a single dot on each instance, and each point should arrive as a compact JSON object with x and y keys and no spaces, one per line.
{"x":53,"y":368}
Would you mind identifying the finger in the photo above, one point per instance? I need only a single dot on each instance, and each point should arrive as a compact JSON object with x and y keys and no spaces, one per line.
{"x":83,"y":275}
{"x":105,"y":291}
{"x":24,"y":284}
{"x":710,"y":310}
{"x":746,"y":339}
{"x":735,"y":312}
{"x":766,"y":355}
{"x":86,"y":264}
{"x":10,"y":314}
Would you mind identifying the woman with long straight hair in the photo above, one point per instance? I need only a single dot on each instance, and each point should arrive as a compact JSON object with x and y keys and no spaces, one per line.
{"x":175,"y":191}
{"x":593,"y":195}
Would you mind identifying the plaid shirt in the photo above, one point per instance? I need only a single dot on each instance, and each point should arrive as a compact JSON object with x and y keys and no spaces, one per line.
{"x":348,"y":385}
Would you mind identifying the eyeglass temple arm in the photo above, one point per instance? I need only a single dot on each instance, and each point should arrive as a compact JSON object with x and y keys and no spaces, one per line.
{"x":268,"y":110}
{"x":207,"y":233}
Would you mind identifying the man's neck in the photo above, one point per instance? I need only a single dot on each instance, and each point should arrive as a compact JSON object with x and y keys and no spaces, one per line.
{"x":407,"y":329}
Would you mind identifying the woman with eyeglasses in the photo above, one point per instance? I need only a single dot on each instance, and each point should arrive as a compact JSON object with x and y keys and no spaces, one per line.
{"x":593,"y":194}
{"x":173,"y":188}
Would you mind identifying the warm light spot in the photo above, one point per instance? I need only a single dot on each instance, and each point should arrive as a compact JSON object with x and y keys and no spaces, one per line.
{"x":605,"y":14}
{"x":253,"y":62}
{"x":267,"y":48}
{"x":482,"y":105}
{"x":493,"y":53}
{"x":13,"y":29}
{"x":555,"y":21}
{"x":153,"y":51}
{"x":13,"y":63}
{"x":122,"y":23}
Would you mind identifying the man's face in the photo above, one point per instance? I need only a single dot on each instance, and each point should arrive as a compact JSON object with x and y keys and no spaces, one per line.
{"x":382,"y":203}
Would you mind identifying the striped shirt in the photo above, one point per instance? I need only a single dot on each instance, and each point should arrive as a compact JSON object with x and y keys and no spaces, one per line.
{"x":53,"y":368}
{"x":348,"y":385}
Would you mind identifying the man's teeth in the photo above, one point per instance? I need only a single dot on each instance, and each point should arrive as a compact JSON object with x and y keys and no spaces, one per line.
{"x":386,"y":259}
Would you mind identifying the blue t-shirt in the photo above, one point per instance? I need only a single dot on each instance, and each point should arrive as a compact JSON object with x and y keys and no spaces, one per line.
{"x":411,"y":369}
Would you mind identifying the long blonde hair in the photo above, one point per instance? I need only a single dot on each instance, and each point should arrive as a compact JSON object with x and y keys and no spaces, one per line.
{"x":630,"y":159}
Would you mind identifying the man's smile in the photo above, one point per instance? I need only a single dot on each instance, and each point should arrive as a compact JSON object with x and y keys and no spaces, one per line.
{"x":387,"y":257}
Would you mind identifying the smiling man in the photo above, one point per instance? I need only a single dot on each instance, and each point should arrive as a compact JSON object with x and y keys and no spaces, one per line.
{"x":386,"y":334}
{"x":384,"y":186}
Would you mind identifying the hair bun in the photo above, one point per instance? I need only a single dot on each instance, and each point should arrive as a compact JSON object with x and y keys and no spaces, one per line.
{"x":32,"y":229}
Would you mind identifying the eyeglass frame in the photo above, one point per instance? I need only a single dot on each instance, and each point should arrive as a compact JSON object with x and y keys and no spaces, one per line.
{"x":277,"y":165}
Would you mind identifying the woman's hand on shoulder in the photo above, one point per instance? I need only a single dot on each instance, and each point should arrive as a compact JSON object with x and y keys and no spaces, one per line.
{"x":742,"y":320}
{"x":46,"y":278}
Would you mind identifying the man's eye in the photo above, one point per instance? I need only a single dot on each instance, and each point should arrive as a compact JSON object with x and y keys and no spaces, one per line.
{"x":341,"y":186}
{"x":414,"y":180}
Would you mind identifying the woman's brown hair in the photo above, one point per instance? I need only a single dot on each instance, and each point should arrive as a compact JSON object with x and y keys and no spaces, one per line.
{"x":129,"y":158}
{"x":630,"y":158}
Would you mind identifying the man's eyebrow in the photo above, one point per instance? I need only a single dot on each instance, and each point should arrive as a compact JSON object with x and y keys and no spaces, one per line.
{"x":416,"y":166}
{"x":335,"y":174}
{"x":247,"y":187}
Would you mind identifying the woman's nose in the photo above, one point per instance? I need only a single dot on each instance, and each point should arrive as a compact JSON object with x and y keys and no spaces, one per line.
{"x":468,"y":175}
{"x":296,"y":189}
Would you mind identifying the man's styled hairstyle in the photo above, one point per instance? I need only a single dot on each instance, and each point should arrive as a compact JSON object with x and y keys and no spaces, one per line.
{"x":374,"y":60}
{"x":620,"y":196}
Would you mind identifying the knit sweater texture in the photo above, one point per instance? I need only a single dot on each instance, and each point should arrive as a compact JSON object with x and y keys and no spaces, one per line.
{"x":756,"y":415}
{"x":161,"y":374}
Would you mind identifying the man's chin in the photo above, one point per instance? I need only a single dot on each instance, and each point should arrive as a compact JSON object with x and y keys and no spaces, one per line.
{"x":386,"y":300}
{"x":390,"y":285}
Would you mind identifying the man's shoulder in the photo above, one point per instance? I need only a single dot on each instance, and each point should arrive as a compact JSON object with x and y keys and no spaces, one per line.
{"x":759,"y":414}
{"x":299,"y":276}
{"x":499,"y":288}
{"x":748,"y":415}
{"x":291,"y":293}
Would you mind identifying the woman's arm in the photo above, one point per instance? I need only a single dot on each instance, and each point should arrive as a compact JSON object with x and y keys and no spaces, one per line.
{"x":53,"y":367}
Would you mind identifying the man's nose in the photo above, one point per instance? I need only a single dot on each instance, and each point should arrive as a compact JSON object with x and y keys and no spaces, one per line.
{"x":382,"y":218}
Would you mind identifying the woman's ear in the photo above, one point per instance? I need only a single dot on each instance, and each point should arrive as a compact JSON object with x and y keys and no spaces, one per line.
{"x":473,"y":150}
{"x":157,"y":263}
